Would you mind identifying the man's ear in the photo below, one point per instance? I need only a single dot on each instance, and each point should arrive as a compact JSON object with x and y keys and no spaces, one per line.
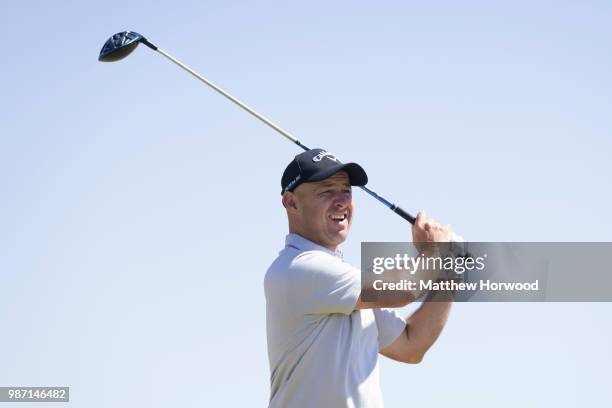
{"x":289,"y":201}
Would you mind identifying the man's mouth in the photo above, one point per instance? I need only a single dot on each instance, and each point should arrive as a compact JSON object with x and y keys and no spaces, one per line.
{"x":339,"y":217}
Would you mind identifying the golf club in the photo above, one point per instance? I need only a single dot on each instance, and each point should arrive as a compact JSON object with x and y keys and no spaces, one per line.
{"x":122,"y":44}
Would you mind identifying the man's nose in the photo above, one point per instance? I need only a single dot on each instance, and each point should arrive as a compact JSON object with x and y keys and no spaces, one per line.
{"x":342,"y":200}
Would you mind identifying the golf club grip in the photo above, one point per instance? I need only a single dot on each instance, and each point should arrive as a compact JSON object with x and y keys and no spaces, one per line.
{"x":398,"y":210}
{"x":458,"y":242}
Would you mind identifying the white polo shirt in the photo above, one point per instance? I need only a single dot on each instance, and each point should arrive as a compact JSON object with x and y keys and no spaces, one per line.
{"x":322,"y":352}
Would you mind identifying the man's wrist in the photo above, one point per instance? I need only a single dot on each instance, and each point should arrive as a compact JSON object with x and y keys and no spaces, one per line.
{"x":428,"y":249}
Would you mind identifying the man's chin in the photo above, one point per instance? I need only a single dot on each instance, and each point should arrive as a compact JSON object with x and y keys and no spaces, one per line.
{"x":340,"y":236}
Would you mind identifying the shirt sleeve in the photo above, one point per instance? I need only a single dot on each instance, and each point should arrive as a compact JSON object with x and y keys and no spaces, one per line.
{"x":323,"y":284}
{"x":390,"y":325}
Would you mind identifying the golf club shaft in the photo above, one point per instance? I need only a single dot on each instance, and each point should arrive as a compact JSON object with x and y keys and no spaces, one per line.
{"x":399,"y":211}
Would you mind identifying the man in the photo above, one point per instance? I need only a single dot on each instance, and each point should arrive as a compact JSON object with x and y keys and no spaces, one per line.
{"x":323,"y":340}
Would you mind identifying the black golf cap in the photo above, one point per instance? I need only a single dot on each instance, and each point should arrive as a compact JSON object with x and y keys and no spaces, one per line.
{"x":317,"y":165}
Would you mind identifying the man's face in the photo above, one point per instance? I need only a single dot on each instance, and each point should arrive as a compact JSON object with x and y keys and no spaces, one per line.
{"x":325,"y":209}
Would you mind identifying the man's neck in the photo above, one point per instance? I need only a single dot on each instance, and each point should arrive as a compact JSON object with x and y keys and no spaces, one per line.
{"x":304,"y":235}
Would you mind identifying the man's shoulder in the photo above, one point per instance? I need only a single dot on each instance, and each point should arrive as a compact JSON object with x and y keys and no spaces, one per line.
{"x":292,"y":258}
{"x":291,"y":263}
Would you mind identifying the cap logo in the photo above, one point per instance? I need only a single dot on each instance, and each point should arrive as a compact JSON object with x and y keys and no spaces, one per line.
{"x":323,"y":154}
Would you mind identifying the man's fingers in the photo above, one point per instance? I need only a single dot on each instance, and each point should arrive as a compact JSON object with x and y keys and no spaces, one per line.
{"x":427,"y":229}
{"x":420,"y":218}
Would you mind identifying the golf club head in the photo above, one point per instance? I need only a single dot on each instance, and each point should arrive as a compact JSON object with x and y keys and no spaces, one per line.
{"x":120,"y":46}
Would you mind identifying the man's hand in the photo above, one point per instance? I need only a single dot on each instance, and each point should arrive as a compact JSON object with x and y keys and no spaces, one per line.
{"x":426,"y":229}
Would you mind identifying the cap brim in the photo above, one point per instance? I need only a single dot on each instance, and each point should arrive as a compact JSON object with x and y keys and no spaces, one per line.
{"x":356,"y":173}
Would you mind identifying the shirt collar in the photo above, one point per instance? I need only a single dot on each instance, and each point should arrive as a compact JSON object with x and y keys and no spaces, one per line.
{"x":303,"y":244}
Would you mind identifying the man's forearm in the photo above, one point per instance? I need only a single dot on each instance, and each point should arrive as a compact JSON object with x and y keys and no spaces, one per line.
{"x":425,"y":325}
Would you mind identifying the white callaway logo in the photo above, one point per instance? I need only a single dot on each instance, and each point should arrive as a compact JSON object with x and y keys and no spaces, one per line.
{"x":323,"y":154}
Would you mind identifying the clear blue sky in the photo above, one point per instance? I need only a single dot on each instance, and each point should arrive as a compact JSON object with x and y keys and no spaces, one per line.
{"x":140,"y":210}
